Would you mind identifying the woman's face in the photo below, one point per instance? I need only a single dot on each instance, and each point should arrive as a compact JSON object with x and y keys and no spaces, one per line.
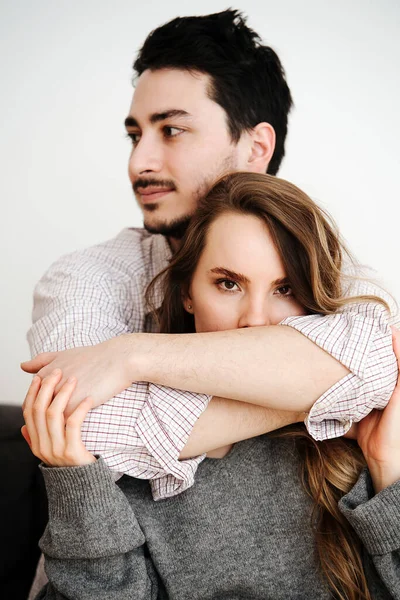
{"x":240,"y":280}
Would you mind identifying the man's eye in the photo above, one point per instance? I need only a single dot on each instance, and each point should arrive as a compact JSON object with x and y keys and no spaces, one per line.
{"x":134,"y":137}
{"x":227,"y":285}
{"x":172,"y":131}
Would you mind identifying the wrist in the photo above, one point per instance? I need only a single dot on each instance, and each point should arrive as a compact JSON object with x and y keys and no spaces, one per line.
{"x":140,"y":353}
{"x":383,"y":475}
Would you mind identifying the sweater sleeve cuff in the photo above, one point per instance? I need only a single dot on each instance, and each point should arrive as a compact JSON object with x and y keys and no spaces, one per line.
{"x":375,"y":518}
{"x":89,"y":516}
{"x":73,"y":489}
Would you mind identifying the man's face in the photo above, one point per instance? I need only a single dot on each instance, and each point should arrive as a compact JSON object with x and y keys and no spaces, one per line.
{"x":181,"y":145}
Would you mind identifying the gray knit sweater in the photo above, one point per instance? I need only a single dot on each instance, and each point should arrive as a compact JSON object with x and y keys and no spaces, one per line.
{"x":241,"y":532}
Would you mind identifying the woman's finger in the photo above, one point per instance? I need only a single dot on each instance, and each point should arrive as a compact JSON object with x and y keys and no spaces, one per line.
{"x":76,"y":452}
{"x":396,"y":346}
{"x":55,"y":417}
{"x":43,"y":399}
{"x":27,"y":410}
{"x":26,"y":435}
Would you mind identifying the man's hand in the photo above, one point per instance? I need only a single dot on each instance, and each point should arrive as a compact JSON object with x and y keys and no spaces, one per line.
{"x":378,"y":436}
{"x":101,"y":371}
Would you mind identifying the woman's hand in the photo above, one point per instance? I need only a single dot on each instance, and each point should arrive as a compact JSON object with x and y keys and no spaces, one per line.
{"x":378,"y":436}
{"x":56,"y":441}
{"x":102,"y":371}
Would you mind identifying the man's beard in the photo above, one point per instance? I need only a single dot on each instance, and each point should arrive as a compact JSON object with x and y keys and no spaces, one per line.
{"x":177,"y":227}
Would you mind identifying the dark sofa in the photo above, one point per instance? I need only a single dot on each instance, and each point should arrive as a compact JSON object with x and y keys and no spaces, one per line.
{"x":23,"y":507}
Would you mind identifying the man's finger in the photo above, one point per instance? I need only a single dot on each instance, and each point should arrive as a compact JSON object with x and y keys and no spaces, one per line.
{"x":35,"y":364}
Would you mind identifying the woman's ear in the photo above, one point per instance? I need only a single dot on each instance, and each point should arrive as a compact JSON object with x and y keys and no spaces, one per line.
{"x":187,"y":302}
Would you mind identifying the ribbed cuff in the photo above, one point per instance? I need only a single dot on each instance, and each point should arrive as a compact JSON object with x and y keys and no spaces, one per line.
{"x":89,"y":516}
{"x":71,"y":490}
{"x":376,"y":519}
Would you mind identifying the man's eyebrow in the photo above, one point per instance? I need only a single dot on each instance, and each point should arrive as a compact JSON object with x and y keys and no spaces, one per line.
{"x":230,"y":274}
{"x":160,"y":116}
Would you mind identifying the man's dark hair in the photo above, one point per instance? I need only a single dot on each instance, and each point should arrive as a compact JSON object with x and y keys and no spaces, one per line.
{"x":247,"y":78}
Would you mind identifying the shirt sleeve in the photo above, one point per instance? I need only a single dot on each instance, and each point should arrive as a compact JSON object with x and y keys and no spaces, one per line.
{"x":144,"y":438}
{"x":85,"y":299}
{"x":360,"y":338}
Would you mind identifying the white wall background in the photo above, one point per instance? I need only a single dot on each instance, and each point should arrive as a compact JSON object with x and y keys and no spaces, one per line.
{"x":65,"y":91}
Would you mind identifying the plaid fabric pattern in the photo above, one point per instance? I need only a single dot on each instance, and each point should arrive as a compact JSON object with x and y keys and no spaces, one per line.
{"x":98,"y":293}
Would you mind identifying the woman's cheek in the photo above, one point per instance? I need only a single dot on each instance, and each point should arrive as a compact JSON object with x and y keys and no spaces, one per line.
{"x":215,"y":315}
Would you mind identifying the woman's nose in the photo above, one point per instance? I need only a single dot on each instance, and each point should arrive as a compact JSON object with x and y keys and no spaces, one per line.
{"x":255,"y":314}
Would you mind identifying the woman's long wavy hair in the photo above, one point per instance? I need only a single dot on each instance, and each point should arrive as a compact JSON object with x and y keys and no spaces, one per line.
{"x":312,"y":253}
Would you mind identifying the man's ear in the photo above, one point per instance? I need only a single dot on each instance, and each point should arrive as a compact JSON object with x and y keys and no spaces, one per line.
{"x":262,"y":138}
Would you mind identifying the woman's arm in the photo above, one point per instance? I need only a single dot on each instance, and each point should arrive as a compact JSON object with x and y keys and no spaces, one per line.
{"x":376,"y":520}
{"x":373,"y":505}
{"x":93,"y":544}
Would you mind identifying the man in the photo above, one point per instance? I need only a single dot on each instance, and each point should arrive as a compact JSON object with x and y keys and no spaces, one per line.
{"x":198,"y":111}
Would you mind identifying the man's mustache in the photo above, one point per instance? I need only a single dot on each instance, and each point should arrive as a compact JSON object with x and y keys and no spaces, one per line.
{"x":159,"y":183}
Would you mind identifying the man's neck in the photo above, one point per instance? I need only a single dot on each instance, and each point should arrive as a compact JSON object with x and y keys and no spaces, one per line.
{"x":174,"y":244}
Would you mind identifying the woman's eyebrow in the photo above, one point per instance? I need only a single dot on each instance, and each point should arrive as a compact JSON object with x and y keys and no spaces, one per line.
{"x":230,"y":274}
{"x":281,"y":281}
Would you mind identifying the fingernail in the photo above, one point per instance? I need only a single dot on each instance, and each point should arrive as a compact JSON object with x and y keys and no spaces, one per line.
{"x":71,"y":379}
{"x":56,"y":372}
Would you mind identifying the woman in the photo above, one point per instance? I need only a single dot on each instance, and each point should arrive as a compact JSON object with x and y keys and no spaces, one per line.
{"x":258,"y":252}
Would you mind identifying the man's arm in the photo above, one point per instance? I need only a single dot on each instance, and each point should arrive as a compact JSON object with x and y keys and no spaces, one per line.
{"x":276,"y":367}
{"x":82,"y":301}
{"x":341,"y":365}
{"x":226,"y":422}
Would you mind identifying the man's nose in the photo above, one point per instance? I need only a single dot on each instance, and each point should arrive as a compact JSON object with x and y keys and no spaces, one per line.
{"x":146,"y":157}
{"x":255,"y":314}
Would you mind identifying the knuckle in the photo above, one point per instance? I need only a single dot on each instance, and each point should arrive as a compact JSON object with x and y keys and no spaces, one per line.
{"x":42,"y":449}
{"x":58,"y":454}
{"x":70,"y":456}
{"x":51,"y":413}
{"x":36,"y":409}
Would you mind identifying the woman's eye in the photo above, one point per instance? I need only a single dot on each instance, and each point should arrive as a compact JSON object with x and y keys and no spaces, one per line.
{"x":227,"y":285}
{"x":285,"y":290}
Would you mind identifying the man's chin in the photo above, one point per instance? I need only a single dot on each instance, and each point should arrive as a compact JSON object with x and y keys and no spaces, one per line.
{"x":174,"y":229}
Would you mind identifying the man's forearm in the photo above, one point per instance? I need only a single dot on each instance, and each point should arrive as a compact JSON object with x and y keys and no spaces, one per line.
{"x":276,"y":367}
{"x":226,"y":422}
